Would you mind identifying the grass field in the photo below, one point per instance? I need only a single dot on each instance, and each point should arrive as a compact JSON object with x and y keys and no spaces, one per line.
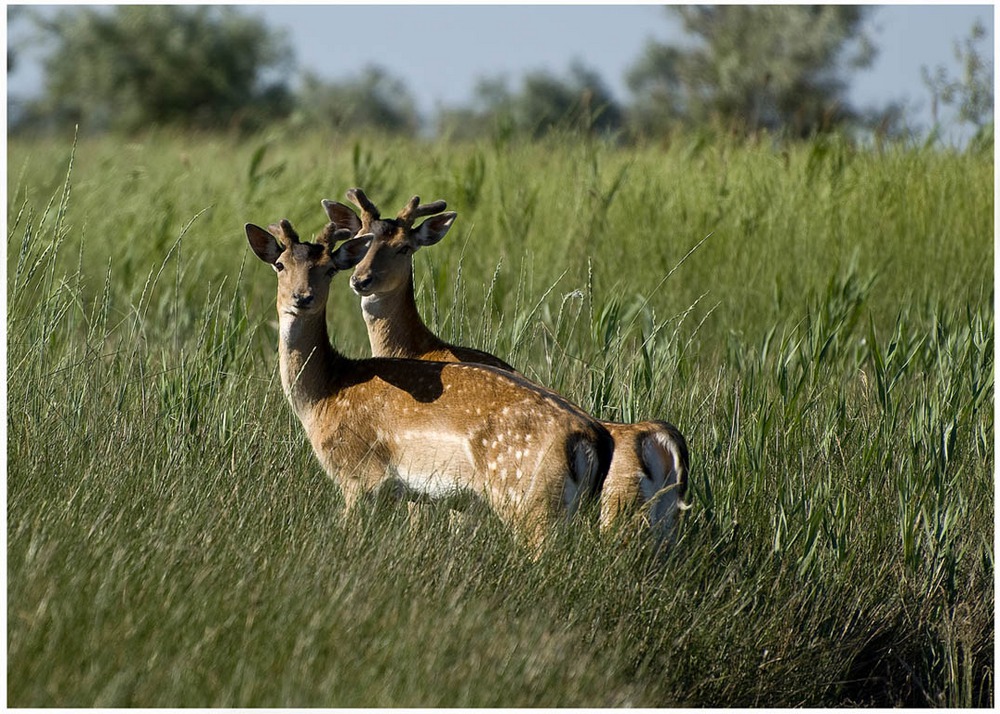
{"x":818,"y":321}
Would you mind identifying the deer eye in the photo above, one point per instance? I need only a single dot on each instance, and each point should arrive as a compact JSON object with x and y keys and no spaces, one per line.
{"x":279,"y":266}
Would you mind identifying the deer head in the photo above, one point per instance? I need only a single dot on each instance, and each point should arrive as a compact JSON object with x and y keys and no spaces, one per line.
{"x":305,"y":269}
{"x":388,"y":263}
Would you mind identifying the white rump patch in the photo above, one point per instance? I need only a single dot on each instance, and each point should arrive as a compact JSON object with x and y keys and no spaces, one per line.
{"x":660,"y":483}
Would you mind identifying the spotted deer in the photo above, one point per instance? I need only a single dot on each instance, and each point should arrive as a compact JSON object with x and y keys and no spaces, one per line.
{"x":423,"y":428}
{"x":647,"y":479}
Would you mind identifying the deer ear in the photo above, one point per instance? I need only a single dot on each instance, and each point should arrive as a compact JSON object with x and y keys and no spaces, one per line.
{"x":352,"y":252}
{"x":342,"y":216}
{"x":263,"y":243}
{"x":433,"y":229}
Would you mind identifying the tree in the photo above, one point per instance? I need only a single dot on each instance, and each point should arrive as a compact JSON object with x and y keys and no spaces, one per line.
{"x":775,"y":67}
{"x":129,"y":67}
{"x":374,"y":100}
{"x":972,"y":95}
{"x":581,"y":102}
{"x":14,"y":12}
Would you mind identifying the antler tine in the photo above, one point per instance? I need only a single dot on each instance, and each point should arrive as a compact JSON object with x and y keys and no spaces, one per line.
{"x":283,"y":231}
{"x":414,"y":209}
{"x":331,"y":235}
{"x":429,"y":209}
{"x":407,"y":215}
{"x":359,"y":199}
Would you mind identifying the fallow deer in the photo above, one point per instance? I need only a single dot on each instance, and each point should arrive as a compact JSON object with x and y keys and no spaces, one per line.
{"x":647,"y":479}
{"x":425,"y":428}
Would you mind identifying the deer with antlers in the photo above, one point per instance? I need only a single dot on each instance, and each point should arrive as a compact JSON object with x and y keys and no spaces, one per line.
{"x":423,"y":428}
{"x":647,"y":478}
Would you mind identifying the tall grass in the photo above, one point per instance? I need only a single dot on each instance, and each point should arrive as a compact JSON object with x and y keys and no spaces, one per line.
{"x":818,"y":321}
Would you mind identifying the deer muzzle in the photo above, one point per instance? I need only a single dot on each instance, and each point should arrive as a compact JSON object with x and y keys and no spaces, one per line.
{"x":361,"y":284}
{"x":303,"y":299}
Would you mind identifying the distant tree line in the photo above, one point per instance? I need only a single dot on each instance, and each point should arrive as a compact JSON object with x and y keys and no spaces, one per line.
{"x":778,"y":69}
{"x":132,"y":66}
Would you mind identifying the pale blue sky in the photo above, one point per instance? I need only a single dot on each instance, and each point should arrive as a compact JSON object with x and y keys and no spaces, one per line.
{"x":440,"y":51}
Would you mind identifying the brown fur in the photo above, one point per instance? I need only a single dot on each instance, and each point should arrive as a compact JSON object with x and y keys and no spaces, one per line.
{"x":385,"y":280}
{"x":378,"y":421}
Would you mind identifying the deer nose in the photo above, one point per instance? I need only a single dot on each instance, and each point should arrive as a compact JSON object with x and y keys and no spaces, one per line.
{"x":361,"y":284}
{"x":302,"y":299}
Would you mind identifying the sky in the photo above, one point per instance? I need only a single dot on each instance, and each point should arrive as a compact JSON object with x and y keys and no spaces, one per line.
{"x":441,"y":51}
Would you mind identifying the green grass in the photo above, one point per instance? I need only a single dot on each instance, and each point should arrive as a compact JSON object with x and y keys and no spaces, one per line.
{"x":817,"y":320}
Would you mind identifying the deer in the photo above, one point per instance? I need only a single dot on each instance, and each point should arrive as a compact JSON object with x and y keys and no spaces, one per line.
{"x":647,"y":480}
{"x":421,"y":429}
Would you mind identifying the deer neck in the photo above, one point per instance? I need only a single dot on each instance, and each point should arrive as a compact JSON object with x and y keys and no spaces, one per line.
{"x":394,"y":325}
{"x":306,"y":359}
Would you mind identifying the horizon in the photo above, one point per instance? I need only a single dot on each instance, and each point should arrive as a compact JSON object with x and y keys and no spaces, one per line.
{"x":418,"y":44}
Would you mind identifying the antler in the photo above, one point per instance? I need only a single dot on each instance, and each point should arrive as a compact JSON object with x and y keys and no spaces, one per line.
{"x":331,"y":234}
{"x":284,"y":232}
{"x":411,"y":212}
{"x":369,"y":211}
{"x":414,"y":210}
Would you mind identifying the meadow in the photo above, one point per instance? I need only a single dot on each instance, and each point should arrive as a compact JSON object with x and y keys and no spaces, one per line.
{"x":816,"y":318}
